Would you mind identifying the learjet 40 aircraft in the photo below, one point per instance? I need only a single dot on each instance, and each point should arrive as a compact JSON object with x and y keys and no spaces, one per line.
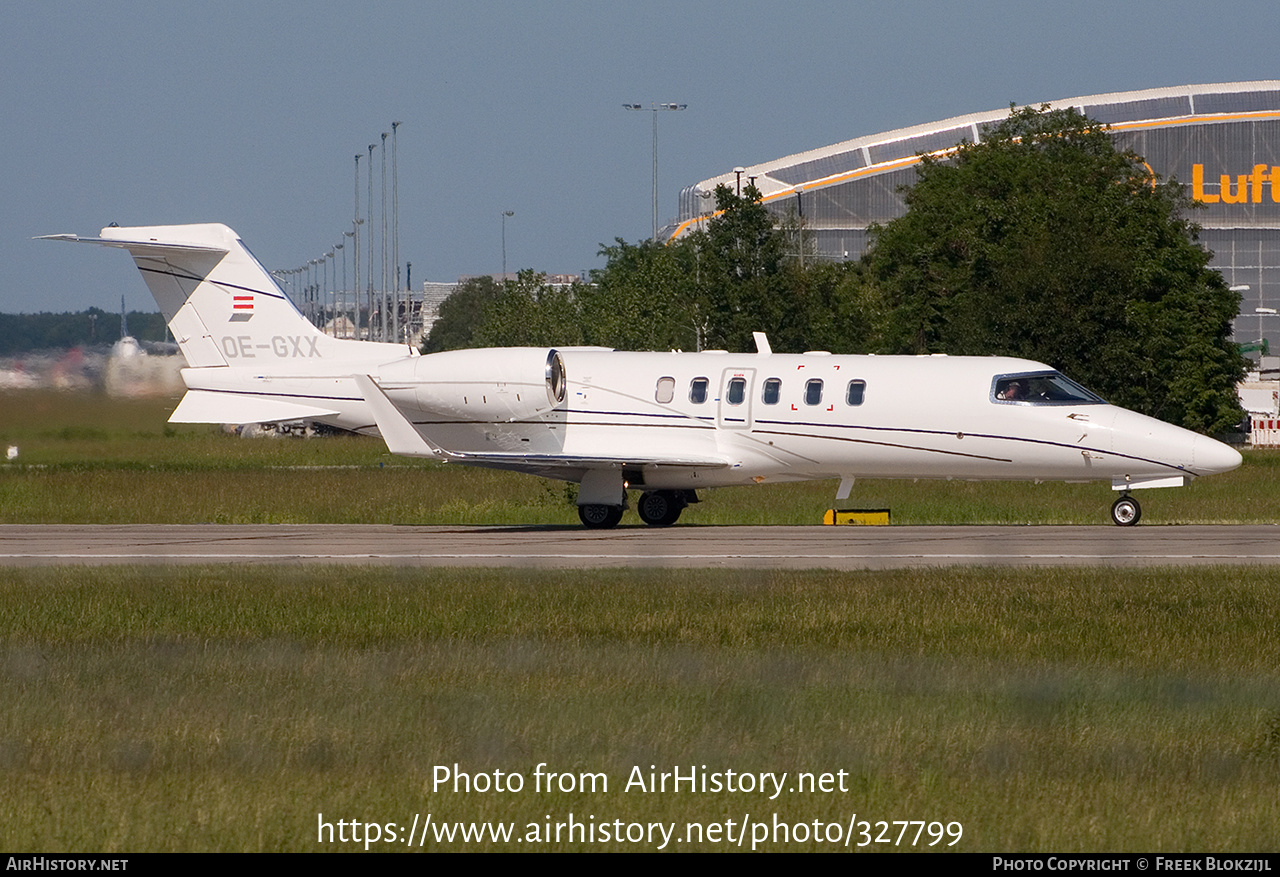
{"x":664,"y":424}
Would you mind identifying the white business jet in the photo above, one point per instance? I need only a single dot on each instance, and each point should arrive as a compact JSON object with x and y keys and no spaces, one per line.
{"x":665,"y":424}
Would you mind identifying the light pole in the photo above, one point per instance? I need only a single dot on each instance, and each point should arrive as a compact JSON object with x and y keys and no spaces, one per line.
{"x":370,"y":251}
{"x":322,"y":272}
{"x":383,"y":305}
{"x":505,"y":214}
{"x":339,"y":291}
{"x":355,"y":244}
{"x":655,"y":108}
{"x":395,"y":227}
{"x":311,"y":289}
{"x":324,"y":301}
{"x":279,"y":276}
{"x":345,"y":292}
{"x":322,"y":290}
{"x":799,"y":190}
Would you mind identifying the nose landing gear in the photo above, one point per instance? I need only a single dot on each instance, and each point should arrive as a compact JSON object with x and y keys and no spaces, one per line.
{"x":1125,"y":511}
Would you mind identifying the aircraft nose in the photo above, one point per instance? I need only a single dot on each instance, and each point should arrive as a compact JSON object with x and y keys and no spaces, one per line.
{"x":1210,"y":456}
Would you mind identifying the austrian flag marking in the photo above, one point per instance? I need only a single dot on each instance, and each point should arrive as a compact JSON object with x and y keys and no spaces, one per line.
{"x":241,"y":308}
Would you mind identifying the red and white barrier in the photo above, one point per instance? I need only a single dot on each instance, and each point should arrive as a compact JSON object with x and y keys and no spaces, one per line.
{"x":1265,"y":431}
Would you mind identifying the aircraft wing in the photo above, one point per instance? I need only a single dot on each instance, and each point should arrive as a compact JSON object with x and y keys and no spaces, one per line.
{"x":403,"y":438}
{"x":573,"y":468}
{"x":544,"y":461}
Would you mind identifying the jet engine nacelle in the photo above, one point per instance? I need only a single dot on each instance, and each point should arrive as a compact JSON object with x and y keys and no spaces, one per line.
{"x":487,"y":384}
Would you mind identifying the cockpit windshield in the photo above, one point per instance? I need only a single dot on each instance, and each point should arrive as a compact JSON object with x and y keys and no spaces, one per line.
{"x":1041,"y":388}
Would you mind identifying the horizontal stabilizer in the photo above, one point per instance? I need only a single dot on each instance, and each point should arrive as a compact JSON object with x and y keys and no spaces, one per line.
{"x":149,"y":249}
{"x":209,"y":406}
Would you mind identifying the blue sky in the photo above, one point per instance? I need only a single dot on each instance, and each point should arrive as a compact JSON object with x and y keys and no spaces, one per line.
{"x":251,"y":114}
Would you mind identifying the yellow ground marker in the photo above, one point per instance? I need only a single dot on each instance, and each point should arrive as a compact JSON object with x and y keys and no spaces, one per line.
{"x":857,"y":517}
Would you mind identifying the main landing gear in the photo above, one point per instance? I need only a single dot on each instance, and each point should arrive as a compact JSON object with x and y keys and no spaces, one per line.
{"x":600,"y":517}
{"x":661,"y":508}
{"x":1125,"y":511}
{"x":657,"y":508}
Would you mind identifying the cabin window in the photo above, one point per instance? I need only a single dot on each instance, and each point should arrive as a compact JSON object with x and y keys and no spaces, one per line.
{"x":666,"y":390}
{"x":857,"y":389}
{"x":772,"y":390}
{"x":813,"y":391}
{"x":737,"y":391}
{"x":1041,"y":388}
{"x":698,"y":391}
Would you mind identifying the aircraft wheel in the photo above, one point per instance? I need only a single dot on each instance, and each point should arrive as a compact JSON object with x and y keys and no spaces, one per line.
{"x":1126,"y":512}
{"x":600,"y":517}
{"x":660,"y":508}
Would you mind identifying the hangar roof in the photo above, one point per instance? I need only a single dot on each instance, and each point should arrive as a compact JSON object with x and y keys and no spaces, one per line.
{"x":891,"y":150}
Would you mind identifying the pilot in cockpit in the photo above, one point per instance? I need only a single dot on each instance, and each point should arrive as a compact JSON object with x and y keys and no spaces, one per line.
{"x":1012,"y":391}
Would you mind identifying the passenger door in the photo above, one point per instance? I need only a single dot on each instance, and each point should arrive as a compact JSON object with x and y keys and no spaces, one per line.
{"x":737,"y":395}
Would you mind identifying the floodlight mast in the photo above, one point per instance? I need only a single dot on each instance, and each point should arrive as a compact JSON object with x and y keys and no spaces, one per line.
{"x":395,"y":238}
{"x":369,"y":260}
{"x":355,"y":244}
{"x":505,"y":214}
{"x":383,"y":300}
{"x":655,"y":108}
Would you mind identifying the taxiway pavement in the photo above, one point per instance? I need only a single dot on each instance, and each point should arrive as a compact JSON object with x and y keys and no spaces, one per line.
{"x":675,"y":547}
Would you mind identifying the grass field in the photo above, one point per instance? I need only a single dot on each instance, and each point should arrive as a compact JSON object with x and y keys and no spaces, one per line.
{"x":224,"y":708}
{"x":89,"y":459}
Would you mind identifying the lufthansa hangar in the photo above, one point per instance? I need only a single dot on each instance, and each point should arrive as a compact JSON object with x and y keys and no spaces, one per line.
{"x":1222,"y":141}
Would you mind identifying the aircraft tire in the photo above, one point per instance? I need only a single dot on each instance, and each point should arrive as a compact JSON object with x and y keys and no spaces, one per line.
{"x":600,"y":517}
{"x":1125,"y":511}
{"x":660,"y":508}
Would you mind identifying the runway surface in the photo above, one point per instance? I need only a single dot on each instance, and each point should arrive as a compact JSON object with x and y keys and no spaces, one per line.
{"x":675,"y":547}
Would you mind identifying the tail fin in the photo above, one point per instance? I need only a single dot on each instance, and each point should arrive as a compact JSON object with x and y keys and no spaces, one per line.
{"x":220,"y":302}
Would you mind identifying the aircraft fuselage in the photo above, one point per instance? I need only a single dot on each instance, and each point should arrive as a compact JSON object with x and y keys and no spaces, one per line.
{"x":769,"y":418}
{"x":663,"y":423}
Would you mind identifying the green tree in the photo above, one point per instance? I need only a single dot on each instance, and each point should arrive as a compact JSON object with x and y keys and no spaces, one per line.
{"x":530,"y":313}
{"x":461,"y":315}
{"x":1044,"y":241}
{"x":712,"y":288}
{"x":645,"y":298}
{"x":742,"y":255}
{"x":825,"y":306}
{"x":742,"y":273}
{"x":20,"y":333}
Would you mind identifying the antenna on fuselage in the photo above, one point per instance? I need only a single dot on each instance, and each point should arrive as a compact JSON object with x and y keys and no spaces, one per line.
{"x":762,"y":343}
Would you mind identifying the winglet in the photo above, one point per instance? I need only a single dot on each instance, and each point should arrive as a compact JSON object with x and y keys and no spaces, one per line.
{"x":400,"y":435}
